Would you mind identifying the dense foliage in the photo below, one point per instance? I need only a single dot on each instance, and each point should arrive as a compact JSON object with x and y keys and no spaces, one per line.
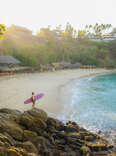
{"x":56,"y":45}
{"x":96,"y":30}
{"x":2,"y":30}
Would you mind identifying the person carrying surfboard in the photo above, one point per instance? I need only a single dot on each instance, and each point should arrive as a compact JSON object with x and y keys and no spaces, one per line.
{"x":33,"y":100}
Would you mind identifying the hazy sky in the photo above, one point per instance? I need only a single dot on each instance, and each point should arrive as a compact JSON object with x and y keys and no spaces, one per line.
{"x":35,"y":14}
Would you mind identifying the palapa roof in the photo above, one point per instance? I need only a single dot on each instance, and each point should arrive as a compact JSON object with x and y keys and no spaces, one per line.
{"x":8,"y":60}
{"x":63,"y":63}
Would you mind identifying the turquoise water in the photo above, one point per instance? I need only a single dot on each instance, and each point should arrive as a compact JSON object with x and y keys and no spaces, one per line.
{"x":93,"y":102}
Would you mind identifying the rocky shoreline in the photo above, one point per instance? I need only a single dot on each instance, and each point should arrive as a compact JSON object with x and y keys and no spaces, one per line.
{"x":110,"y":136}
{"x":34,"y":133}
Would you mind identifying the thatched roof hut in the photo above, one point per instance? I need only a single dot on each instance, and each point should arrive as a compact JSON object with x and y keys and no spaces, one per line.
{"x":61,"y":65}
{"x":6,"y":60}
{"x":66,"y":65}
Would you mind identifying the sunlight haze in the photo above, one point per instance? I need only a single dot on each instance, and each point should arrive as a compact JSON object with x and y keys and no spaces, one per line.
{"x":35,"y":14}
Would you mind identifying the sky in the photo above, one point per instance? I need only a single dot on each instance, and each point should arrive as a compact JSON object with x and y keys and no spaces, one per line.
{"x":35,"y":14}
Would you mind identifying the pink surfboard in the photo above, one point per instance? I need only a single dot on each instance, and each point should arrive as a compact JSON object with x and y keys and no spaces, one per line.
{"x":37,"y":97}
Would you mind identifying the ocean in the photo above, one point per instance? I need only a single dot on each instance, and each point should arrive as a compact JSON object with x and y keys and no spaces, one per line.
{"x":91,"y":102}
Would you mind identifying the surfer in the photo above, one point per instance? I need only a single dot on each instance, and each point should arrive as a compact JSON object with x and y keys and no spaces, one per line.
{"x":33,"y":100}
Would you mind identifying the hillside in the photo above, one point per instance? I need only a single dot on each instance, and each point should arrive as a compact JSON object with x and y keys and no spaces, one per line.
{"x":49,"y":46}
{"x":19,"y":36}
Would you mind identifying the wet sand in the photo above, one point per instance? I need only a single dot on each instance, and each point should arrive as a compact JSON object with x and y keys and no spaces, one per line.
{"x":17,"y":88}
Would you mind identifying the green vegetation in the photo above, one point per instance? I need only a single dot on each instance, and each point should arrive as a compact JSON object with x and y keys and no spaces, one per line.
{"x":96,"y":30}
{"x":2,"y":30}
{"x":59,"y":45}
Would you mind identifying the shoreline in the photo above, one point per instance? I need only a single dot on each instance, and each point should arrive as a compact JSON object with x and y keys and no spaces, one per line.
{"x":56,"y":87}
{"x":19,"y":87}
{"x":65,"y":88}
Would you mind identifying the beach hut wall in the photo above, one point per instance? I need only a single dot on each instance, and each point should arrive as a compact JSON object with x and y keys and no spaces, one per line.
{"x":57,"y":65}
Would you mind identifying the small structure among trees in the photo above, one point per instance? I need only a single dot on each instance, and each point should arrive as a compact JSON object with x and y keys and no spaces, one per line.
{"x":61,"y":65}
{"x":8,"y":61}
{"x":65,"y":65}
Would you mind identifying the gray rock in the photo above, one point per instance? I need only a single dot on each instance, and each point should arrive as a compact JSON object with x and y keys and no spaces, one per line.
{"x":12,"y":128}
{"x":28,"y":146}
{"x":37,"y":113}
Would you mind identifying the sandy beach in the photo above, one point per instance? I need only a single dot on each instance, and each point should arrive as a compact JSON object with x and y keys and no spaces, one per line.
{"x":17,"y":88}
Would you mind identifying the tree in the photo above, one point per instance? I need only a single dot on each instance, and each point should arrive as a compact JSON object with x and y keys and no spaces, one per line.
{"x":47,"y":33}
{"x":81,"y":33}
{"x":69,"y":31}
{"x":114,"y":29}
{"x":97,"y":30}
{"x":2,"y":30}
{"x":58,"y":30}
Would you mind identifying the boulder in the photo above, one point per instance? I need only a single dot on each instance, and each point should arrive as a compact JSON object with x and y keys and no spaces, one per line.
{"x":91,"y":138}
{"x":73,"y":124}
{"x":10,"y":111}
{"x":32,"y":154}
{"x":98,"y":146}
{"x":70,"y":129}
{"x":29,"y":135}
{"x":9,"y":114}
{"x":51,"y":122}
{"x":72,"y":140}
{"x":32,"y":123}
{"x":73,"y":153}
{"x":101,"y":153}
{"x":40,"y":140}
{"x":6,"y":141}
{"x":10,"y":139}
{"x":63,"y":154}
{"x":37,"y":113}
{"x":12,"y":128}
{"x":13,"y":151}
{"x":85,"y":151}
{"x":28,"y":146}
{"x":3,"y":151}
